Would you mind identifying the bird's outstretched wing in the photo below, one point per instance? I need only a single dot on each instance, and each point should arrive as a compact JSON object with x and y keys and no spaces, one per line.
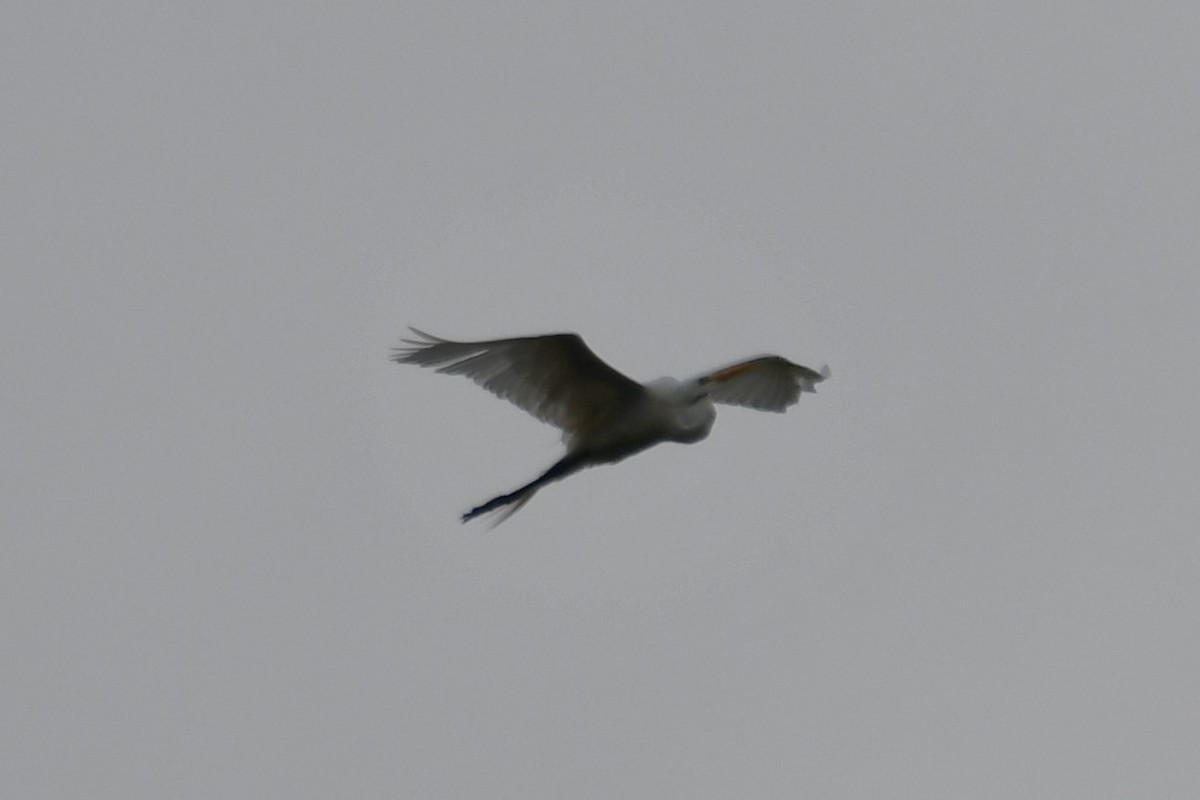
{"x":556,"y":377}
{"x":768,"y":383}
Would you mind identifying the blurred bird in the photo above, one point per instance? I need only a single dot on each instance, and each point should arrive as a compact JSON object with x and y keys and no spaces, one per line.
{"x":604,"y":416}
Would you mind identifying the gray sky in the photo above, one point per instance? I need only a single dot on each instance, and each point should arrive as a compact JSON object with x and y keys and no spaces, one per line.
{"x":233,"y":566}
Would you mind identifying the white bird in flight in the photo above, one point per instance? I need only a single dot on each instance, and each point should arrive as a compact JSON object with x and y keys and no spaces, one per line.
{"x":604,"y":416}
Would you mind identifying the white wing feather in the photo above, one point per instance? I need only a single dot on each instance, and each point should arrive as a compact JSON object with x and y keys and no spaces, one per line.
{"x":768,"y":383}
{"x":555,"y":377}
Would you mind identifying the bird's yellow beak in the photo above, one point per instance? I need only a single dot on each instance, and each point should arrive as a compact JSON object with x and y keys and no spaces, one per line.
{"x":728,"y":372}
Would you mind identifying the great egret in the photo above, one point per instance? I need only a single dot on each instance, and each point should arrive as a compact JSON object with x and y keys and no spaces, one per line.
{"x":604,"y":416}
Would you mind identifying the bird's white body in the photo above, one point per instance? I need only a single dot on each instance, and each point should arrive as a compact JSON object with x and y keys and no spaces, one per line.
{"x":669,"y":412}
{"x":605,"y":417}
{"x":683,"y":409}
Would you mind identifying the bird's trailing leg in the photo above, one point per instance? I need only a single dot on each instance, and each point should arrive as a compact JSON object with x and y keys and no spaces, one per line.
{"x":569,"y":463}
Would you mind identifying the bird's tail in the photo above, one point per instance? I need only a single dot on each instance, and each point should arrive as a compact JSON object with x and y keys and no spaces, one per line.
{"x":512,"y":502}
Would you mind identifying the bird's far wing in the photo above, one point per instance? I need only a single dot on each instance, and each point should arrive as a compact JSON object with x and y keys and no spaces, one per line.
{"x":768,"y":383}
{"x":556,"y":377}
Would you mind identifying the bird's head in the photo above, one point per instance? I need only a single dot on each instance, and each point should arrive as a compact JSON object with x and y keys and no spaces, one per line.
{"x":679,"y":393}
{"x":685,"y":410}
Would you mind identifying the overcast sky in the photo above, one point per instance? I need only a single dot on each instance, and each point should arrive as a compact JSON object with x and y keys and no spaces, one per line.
{"x":967,"y":568}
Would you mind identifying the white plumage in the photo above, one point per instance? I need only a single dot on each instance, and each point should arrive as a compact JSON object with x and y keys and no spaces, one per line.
{"x":604,"y":415}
